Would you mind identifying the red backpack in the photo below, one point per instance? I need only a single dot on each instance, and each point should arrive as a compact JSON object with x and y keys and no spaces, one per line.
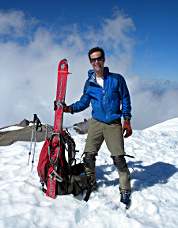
{"x":71,"y":179}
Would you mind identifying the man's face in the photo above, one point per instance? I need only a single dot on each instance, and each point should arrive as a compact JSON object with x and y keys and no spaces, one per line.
{"x":97,"y":62}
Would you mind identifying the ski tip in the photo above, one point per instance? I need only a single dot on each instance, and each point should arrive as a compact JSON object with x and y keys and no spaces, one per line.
{"x":65,"y":60}
{"x":65,"y":71}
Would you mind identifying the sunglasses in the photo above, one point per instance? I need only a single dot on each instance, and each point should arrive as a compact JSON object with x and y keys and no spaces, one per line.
{"x":94,"y":60}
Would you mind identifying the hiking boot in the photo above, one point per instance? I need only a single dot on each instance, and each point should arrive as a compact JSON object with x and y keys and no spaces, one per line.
{"x":125,"y":198}
{"x":89,"y":166}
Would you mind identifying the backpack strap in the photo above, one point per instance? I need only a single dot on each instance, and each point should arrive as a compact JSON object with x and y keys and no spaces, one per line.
{"x":57,"y":178}
{"x":89,"y":189}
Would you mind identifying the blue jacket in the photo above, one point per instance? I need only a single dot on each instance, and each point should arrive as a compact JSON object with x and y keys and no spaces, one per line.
{"x":105,"y":102}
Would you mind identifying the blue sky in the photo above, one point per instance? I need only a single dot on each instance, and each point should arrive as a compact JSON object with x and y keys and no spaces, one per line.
{"x":139,"y":37}
{"x":155,"y":34}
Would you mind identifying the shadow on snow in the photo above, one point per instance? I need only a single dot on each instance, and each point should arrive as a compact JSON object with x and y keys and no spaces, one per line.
{"x":142,"y":177}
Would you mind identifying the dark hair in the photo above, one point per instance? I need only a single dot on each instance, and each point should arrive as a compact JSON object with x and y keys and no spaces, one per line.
{"x":95,"y":49}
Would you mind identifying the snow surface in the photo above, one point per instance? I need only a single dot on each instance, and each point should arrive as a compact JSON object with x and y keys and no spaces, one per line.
{"x":169,"y":125}
{"x":11,"y":128}
{"x":154,"y":186}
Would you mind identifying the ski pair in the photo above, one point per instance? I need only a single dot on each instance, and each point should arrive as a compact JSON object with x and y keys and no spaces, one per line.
{"x":54,"y":154}
{"x":55,"y":149}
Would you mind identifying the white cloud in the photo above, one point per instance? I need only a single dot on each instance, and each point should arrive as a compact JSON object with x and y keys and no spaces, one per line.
{"x":13,"y":23}
{"x":152,"y":102}
{"x":28,"y":73}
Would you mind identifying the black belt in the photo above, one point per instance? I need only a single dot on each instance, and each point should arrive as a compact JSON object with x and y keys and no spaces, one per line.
{"x":116,"y":121}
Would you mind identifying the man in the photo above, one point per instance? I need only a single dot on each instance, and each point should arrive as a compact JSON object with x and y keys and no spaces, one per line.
{"x":106,"y":92}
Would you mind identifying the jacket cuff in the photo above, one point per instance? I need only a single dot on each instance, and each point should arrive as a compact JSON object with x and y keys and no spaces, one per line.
{"x":127,"y":118}
{"x":71,"y":109}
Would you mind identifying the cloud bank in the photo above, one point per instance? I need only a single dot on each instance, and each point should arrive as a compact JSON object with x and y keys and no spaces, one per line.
{"x":29,"y":57}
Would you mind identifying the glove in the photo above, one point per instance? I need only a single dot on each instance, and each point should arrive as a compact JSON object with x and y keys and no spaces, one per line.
{"x":65,"y":107}
{"x":126,"y":129}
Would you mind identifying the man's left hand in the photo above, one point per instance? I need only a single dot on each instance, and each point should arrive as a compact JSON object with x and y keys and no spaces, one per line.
{"x":126,"y":129}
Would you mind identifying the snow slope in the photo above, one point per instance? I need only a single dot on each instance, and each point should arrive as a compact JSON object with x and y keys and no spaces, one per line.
{"x":154,"y":186}
{"x":169,"y":125}
{"x":11,"y":128}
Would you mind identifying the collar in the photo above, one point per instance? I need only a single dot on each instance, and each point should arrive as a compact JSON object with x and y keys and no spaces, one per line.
{"x":92,"y":76}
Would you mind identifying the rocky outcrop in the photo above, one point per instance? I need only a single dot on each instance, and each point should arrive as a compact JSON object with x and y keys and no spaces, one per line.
{"x":24,"y":134}
{"x":82,"y":127}
{"x":24,"y":123}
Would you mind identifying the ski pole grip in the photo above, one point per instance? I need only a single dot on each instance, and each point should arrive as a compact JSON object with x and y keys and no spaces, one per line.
{"x":34,"y":118}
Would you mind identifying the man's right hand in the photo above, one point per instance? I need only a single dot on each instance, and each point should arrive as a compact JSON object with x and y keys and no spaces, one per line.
{"x":65,"y":107}
{"x":55,"y":106}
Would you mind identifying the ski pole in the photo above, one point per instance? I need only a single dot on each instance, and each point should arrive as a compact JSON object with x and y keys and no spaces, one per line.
{"x":46,"y":132}
{"x":38,"y":123}
{"x":34,"y":119}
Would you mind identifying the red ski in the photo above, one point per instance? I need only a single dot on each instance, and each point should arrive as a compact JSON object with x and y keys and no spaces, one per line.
{"x":54,"y":150}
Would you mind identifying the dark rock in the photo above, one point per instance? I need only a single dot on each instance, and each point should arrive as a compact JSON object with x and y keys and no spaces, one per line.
{"x":24,"y":123}
{"x":82,"y":127}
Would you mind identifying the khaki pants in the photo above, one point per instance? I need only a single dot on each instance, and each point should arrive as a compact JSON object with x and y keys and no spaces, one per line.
{"x":112,"y":134}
